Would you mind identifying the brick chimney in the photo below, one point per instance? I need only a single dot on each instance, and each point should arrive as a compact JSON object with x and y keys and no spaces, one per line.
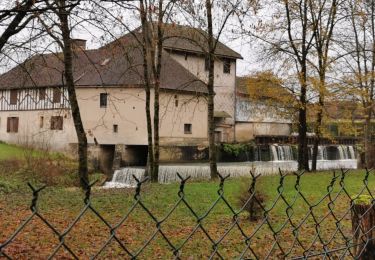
{"x":78,"y":44}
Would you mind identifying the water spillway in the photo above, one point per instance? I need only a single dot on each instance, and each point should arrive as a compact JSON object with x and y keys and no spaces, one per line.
{"x":281,"y":152}
{"x":280,"y":157}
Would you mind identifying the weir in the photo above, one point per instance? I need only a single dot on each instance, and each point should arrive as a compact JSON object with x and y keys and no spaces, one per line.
{"x":329,"y":157}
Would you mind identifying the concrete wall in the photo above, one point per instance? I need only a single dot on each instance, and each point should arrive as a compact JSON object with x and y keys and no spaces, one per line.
{"x":246,"y":131}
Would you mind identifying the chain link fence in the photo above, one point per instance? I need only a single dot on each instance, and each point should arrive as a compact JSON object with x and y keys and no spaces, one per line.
{"x":304,"y":227}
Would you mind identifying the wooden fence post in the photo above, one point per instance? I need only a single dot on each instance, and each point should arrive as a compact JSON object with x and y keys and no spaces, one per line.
{"x":363,"y":226}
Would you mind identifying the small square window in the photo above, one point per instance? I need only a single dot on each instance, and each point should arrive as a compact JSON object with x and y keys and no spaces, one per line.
{"x":115,"y":128}
{"x":103,"y":99}
{"x":57,"y":122}
{"x":226,"y":67}
{"x":187,"y":128}
{"x":12,"y":125}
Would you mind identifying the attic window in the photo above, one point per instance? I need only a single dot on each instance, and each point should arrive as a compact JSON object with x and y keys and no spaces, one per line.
{"x":56,"y":95}
{"x":13,"y":97}
{"x":186,"y":55}
{"x":42,"y":94}
{"x":226,"y":66}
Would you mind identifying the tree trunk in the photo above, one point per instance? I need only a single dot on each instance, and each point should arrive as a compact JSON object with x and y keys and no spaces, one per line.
{"x":155,"y":172}
{"x":211,"y":93}
{"x":367,"y":139}
{"x":363,"y":223}
{"x":157,"y":73}
{"x":303,"y":159}
{"x":146,"y":75}
{"x":68,"y":73}
{"x":318,"y":132}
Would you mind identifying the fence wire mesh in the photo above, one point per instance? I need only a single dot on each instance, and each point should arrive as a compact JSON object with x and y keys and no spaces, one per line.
{"x":303,"y":227}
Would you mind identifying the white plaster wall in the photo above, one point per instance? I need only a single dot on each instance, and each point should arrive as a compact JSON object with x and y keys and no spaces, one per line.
{"x":126,"y":108}
{"x":195,"y":64}
{"x":30,"y":133}
{"x":224,"y":83}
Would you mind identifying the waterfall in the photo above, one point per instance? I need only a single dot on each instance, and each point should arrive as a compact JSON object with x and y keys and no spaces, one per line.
{"x":123,"y":178}
{"x":351,"y":152}
{"x":274,"y":156}
{"x":281,"y":152}
{"x":346,"y":152}
{"x":281,"y":155}
{"x":322,"y":153}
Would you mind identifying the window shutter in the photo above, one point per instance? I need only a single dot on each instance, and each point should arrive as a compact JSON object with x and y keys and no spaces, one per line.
{"x":16,"y":124}
{"x":60,"y":123}
{"x":8,"y":124}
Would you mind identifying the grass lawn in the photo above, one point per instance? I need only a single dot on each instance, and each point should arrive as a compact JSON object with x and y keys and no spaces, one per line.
{"x":60,"y":205}
{"x":10,"y":151}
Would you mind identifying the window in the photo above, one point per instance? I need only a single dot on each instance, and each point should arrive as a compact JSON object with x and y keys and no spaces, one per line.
{"x":226,"y":67}
{"x":57,"y":123}
{"x":56,"y":95}
{"x":12,"y":125}
{"x":42,"y":94}
{"x":115,"y":128}
{"x":176,"y":100}
{"x":206,"y":64}
{"x":186,"y":55}
{"x":187,"y":128}
{"x":334,"y":129}
{"x":13,"y":96}
{"x":103,"y":99}
{"x":41,"y":122}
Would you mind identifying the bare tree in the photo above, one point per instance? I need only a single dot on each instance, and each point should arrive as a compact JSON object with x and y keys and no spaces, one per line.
{"x":152,"y":16}
{"x":209,"y":29}
{"x":359,"y":43}
{"x":62,"y":10}
{"x":16,"y":19}
{"x":324,"y":18}
{"x":286,"y":37}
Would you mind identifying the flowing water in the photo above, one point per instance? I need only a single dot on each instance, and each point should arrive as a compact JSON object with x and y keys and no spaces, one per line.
{"x":282,"y":158}
{"x":281,"y":152}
